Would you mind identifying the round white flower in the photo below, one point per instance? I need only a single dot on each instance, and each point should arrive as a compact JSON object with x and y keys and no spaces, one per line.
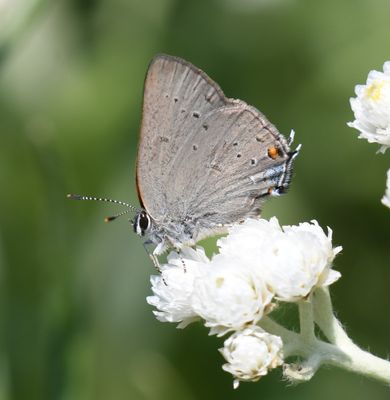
{"x":298,"y":261}
{"x":229,"y":296}
{"x":251,"y":353}
{"x":173,"y":288}
{"x":246,"y":240}
{"x":318,"y":251}
{"x":292,"y":260}
{"x":372,"y":108}
{"x":386,"y":197}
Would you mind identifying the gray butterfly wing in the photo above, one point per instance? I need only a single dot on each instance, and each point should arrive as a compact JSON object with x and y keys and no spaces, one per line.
{"x":231,"y":160}
{"x":175,"y":94}
{"x":204,"y":161}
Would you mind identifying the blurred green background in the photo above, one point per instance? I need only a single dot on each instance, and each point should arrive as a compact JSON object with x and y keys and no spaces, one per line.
{"x":74,"y":320}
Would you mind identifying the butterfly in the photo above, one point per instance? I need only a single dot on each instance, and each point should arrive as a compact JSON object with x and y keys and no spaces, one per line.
{"x":205,"y":161}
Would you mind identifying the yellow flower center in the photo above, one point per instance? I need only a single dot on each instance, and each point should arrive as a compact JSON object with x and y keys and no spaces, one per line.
{"x":219,"y":281}
{"x":373,"y":91}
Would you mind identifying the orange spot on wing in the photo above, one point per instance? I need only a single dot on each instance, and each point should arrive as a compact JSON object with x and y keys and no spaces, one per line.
{"x":273,"y":152}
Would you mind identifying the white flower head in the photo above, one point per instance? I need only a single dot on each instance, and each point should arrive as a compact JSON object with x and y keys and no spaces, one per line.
{"x":245,"y":240}
{"x":251,"y":353}
{"x":372,"y":108}
{"x":291,"y":260}
{"x":299,"y":260}
{"x":386,"y":197}
{"x":173,"y":288}
{"x":229,"y":296}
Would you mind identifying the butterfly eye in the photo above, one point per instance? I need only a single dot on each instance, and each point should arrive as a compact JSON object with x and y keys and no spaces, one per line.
{"x":142,"y":223}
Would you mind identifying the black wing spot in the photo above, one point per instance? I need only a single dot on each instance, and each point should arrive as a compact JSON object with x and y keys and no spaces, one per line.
{"x":235,"y":144}
{"x":195,"y":114}
{"x":195,"y":147}
{"x":253,"y":161}
{"x":238,"y":155}
{"x":175,"y":99}
{"x":281,"y":189}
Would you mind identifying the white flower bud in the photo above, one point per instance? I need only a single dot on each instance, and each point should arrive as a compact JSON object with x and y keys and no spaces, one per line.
{"x":372,"y":108}
{"x":173,"y":288}
{"x":229,"y":296}
{"x":251,"y":353}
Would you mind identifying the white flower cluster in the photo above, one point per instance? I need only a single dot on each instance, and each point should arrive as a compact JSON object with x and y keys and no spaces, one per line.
{"x":372,"y":113}
{"x":372,"y":108}
{"x":259,"y":263}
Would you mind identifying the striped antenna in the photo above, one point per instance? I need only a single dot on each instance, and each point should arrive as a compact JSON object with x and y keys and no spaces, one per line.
{"x":91,"y":198}
{"x":109,"y":219}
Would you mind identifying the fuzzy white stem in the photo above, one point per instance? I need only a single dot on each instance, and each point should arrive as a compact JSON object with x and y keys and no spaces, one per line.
{"x":306,"y":321}
{"x":325,"y":319}
{"x":359,"y":361}
{"x":289,"y":338}
{"x":293,"y":342}
{"x":340,"y":352}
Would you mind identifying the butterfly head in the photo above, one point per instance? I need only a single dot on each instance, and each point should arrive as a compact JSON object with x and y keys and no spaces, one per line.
{"x":142,"y":223}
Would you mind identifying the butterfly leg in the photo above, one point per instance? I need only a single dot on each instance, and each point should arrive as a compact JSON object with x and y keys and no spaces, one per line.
{"x":182,"y":260}
{"x":152,"y":256}
{"x":178,"y":251}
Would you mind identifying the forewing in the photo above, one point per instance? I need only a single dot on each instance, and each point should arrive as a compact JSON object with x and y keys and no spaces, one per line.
{"x":176,"y":94}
